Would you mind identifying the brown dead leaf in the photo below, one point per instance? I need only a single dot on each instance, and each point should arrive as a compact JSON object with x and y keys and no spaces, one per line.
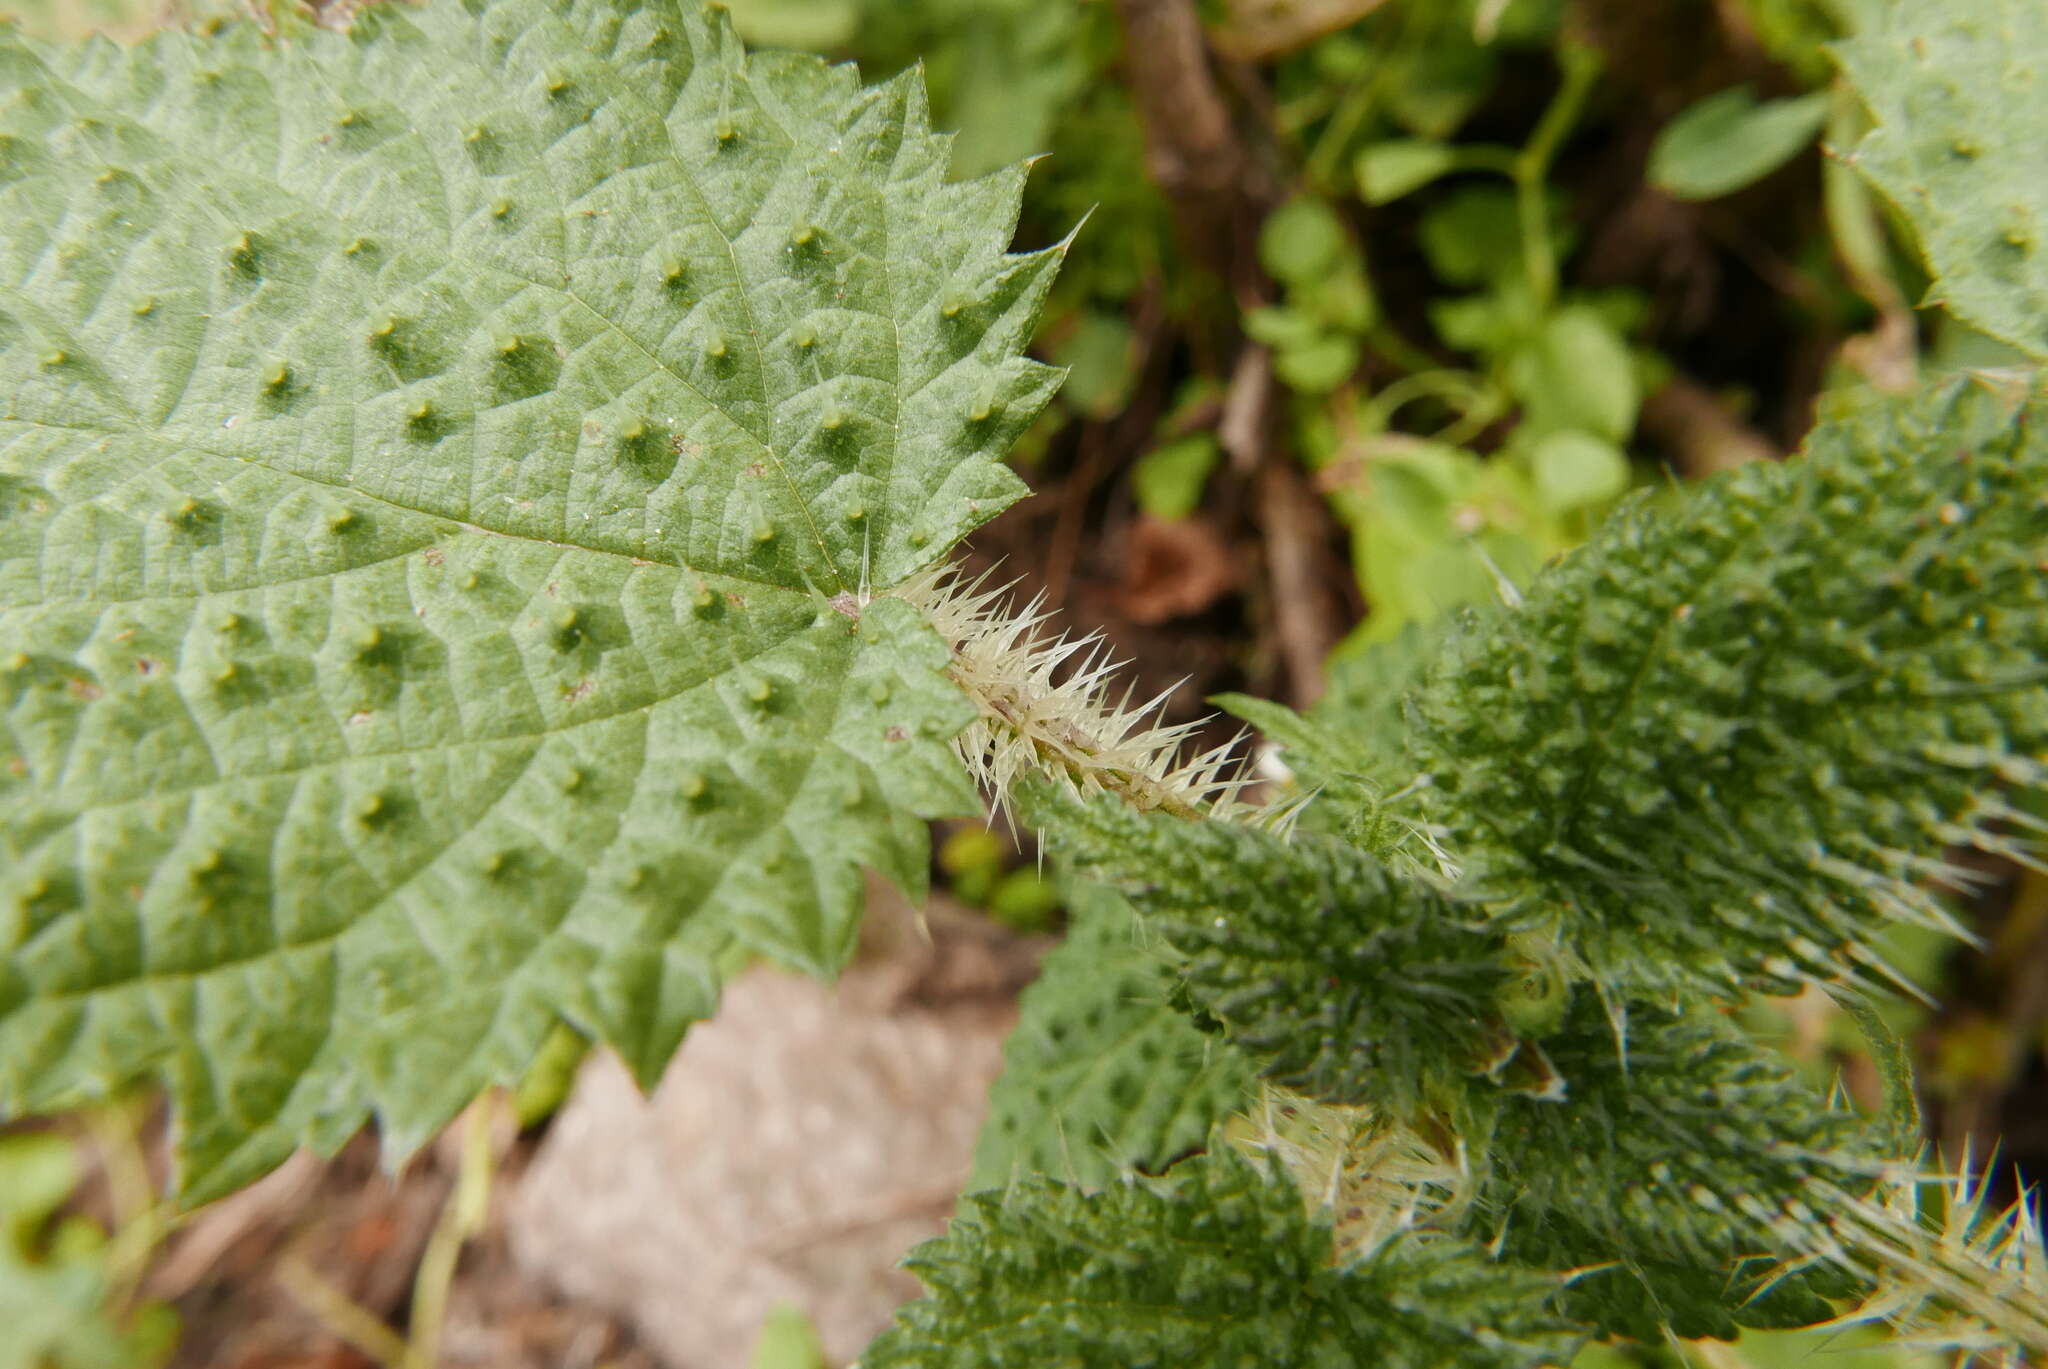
{"x":1260,"y":30}
{"x":1174,"y":568}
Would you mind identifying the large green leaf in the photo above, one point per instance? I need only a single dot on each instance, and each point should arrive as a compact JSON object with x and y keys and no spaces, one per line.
{"x":1217,"y":1265}
{"x":1725,"y":746}
{"x":1338,"y":977}
{"x":1959,"y":93}
{"x":443,"y":470}
{"x":1669,"y":1173}
{"x":1103,"y":1076}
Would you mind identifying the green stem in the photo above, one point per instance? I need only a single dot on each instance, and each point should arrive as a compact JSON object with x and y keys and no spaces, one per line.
{"x":1485,"y":157}
{"x":1532,"y":169}
{"x":1477,"y":404}
{"x":1393,"y":347}
{"x":461,"y":1218}
{"x":340,"y":1315}
{"x":1358,"y":101}
{"x":139,"y":1220}
{"x":1338,"y":132}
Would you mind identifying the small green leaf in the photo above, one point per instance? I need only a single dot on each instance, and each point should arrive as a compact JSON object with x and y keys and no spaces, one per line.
{"x":1279,"y":327}
{"x":1317,"y":366}
{"x":1009,"y":77}
{"x":1103,"y":1075}
{"x":1440,"y":84}
{"x":1101,"y":357}
{"x":1473,"y":235}
{"x":1342,"y":300}
{"x":1576,"y":374}
{"x":1387,"y":171}
{"x":1170,"y":478}
{"x":1730,"y":139}
{"x":54,"y":1285}
{"x":1301,"y":241}
{"x":972,"y":861}
{"x":1575,"y":470}
{"x":38,"y":1170}
{"x":1493,"y":321}
{"x":973,"y":847}
{"x":788,"y":1340}
{"x":551,"y":1076}
{"x":1024,"y":899}
{"x":1215,"y":1265}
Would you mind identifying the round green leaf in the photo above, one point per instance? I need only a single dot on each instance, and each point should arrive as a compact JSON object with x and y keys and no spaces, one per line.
{"x":1576,"y":374}
{"x":1574,"y":470}
{"x":1302,"y":240}
{"x":1317,"y":367}
{"x":1278,"y":327}
{"x":1473,"y":235}
{"x":1171,"y":477}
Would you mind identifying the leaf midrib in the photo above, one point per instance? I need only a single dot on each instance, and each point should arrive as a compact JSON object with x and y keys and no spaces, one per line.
{"x":163,"y":794}
{"x":182,"y":445}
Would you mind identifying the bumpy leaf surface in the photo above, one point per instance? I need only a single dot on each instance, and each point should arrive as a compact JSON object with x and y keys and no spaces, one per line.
{"x":1103,"y":1075}
{"x":1959,"y":91}
{"x":1342,"y":979}
{"x":1723,"y":745}
{"x":1216,"y":1266}
{"x":442,"y":469}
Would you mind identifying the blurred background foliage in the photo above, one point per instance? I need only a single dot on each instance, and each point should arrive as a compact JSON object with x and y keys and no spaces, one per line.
{"x":1506,"y":259}
{"x":1376,"y":305}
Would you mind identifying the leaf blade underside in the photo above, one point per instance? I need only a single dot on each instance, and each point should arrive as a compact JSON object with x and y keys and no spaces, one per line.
{"x":1956,"y":94}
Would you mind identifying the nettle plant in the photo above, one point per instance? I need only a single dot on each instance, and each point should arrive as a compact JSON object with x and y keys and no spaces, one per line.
{"x":474,"y":500}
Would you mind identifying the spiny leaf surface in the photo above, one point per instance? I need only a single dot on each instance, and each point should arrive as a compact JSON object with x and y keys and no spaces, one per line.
{"x":1662,"y":1172}
{"x":1103,"y":1075}
{"x":1723,"y":745}
{"x":1342,"y":979}
{"x":442,"y":470}
{"x":1217,"y":1265}
{"x":1959,"y":92}
{"x":1350,"y":752}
